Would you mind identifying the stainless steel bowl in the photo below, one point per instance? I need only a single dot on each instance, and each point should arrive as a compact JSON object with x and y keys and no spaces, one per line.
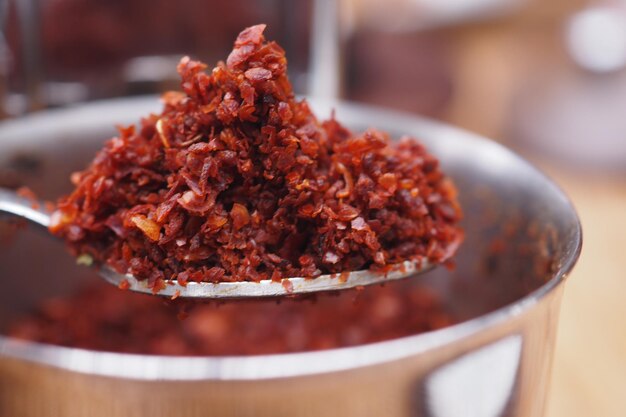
{"x":496,"y":362}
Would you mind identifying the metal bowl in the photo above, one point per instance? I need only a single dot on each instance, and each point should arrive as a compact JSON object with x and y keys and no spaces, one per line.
{"x":495,"y":362}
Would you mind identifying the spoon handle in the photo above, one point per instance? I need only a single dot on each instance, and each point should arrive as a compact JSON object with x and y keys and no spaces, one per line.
{"x":18,"y":206}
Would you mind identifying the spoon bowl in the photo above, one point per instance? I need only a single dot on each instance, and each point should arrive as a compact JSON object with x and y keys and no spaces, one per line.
{"x":35,"y":212}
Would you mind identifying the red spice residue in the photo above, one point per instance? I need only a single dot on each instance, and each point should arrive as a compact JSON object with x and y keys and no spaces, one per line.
{"x":30,"y":195}
{"x":237,"y":180}
{"x":103,"y":318}
{"x":287,"y":285}
{"x":49,"y":206}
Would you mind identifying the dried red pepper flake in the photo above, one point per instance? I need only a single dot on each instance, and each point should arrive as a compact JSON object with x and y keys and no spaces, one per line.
{"x":388,"y":181}
{"x":239,"y":215}
{"x":49,"y":206}
{"x":258,"y":74}
{"x":330,"y":258}
{"x":235,"y":179}
{"x":30,"y":195}
{"x":173,"y":98}
{"x":149,"y":227}
{"x":158,"y":285}
{"x":287,"y":285}
{"x":160,"y":130}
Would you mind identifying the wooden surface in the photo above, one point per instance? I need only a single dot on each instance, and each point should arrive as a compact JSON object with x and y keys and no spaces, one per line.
{"x":589,"y":375}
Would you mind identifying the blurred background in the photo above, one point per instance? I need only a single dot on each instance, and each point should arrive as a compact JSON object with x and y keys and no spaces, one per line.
{"x":546,"y":78}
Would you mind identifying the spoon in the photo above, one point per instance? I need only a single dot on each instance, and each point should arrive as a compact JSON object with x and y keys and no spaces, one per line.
{"x":35,"y":212}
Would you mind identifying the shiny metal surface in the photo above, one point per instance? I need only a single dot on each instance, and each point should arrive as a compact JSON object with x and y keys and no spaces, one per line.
{"x":35,"y":212}
{"x":269,"y":288}
{"x":21,"y":207}
{"x":495,"y":362}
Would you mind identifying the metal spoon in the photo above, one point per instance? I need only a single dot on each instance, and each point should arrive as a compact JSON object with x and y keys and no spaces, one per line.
{"x":13,"y":204}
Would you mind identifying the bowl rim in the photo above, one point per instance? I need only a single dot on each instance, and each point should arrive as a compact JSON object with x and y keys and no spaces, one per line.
{"x":259,"y":367}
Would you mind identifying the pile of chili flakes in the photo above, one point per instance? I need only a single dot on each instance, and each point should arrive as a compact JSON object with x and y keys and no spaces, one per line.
{"x":237,"y":180}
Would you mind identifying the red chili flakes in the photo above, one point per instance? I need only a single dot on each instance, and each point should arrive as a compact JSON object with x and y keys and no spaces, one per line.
{"x":237,"y":180}
{"x":149,"y":227}
{"x":239,"y":216}
{"x":158,"y":285}
{"x":258,"y":74}
{"x":28,"y":194}
{"x":389,"y":182}
{"x":101,"y":317}
{"x":49,"y":206}
{"x":160,"y":130}
{"x":287,"y":285}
